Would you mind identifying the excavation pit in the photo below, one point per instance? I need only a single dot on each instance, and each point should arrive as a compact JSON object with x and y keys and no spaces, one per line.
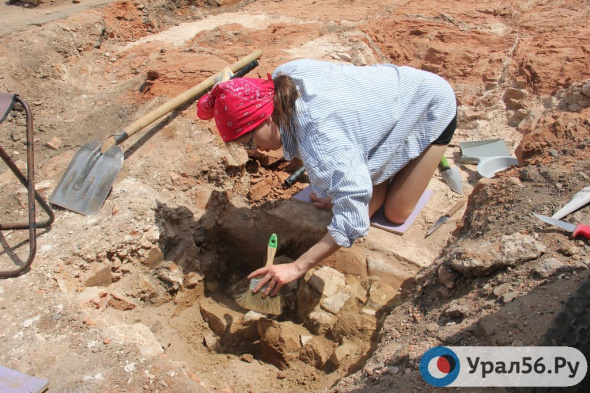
{"x":182,"y":288}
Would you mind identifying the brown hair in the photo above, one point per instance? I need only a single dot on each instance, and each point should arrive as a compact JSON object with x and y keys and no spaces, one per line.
{"x":285,"y":95}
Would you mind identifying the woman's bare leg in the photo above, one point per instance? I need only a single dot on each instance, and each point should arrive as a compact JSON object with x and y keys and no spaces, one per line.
{"x":409,"y":184}
{"x":378,"y":198}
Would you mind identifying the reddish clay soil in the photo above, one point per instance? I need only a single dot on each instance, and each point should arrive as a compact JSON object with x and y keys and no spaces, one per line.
{"x":139,"y":297}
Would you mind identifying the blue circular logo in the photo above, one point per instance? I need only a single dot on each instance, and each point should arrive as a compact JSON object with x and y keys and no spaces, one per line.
{"x":439,"y":366}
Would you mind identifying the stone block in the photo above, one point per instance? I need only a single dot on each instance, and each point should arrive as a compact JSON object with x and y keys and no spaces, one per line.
{"x":316,"y":352}
{"x":192,"y":280}
{"x":327,"y":281}
{"x":218,"y":317}
{"x":239,"y":333}
{"x":434,"y":68}
{"x":211,"y":341}
{"x":509,"y":296}
{"x":54,"y":143}
{"x":477,"y":258}
{"x":335,"y":303}
{"x":230,"y":162}
{"x":305,"y":339}
{"x":203,"y":197}
{"x":320,"y":321}
{"x":349,"y":325}
{"x":502,"y":289}
{"x":170,"y":275}
{"x":88,"y":294}
{"x":7,"y":177}
{"x":456,"y":310}
{"x":347,"y":352}
{"x":154,"y":258}
{"x":517,"y":248}
{"x":252,"y":316}
{"x":136,"y":334}
{"x":307,"y":300}
{"x":549,"y":266}
{"x":280,"y":342}
{"x":381,"y":294}
{"x":98,"y":275}
{"x":355,"y":289}
{"x":515,"y":94}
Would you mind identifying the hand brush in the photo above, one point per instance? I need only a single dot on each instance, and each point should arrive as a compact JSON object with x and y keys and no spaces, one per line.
{"x":255,"y":301}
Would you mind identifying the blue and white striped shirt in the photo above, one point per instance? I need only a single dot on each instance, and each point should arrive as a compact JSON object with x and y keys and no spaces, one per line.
{"x":355,"y":127}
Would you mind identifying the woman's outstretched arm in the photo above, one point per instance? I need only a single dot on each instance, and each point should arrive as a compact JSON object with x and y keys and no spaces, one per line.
{"x":279,"y":275}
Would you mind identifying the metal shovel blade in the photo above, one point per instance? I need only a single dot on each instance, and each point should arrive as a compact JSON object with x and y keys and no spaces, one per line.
{"x":452,"y":176}
{"x":88,"y":180}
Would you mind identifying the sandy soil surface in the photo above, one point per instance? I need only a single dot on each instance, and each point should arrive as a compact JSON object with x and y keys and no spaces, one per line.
{"x":139,"y":297}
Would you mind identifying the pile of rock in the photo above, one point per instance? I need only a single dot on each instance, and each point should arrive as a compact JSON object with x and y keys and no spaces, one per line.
{"x":335,"y":316}
{"x":576,"y":97}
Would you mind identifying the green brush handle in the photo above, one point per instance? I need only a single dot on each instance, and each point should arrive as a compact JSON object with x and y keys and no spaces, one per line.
{"x":444,"y":164}
{"x":271,"y":250}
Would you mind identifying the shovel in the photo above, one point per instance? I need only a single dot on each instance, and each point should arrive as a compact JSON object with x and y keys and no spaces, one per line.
{"x":451,"y":176}
{"x":87,"y":182}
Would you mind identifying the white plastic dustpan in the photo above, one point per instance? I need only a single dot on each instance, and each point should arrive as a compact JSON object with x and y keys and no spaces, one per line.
{"x":489,"y":166}
{"x":474,"y":151}
{"x":491,"y":156}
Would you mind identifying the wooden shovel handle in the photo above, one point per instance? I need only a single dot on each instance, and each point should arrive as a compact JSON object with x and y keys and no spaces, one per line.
{"x":174,"y":103}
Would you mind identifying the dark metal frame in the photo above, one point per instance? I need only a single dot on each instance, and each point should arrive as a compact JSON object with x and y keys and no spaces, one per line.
{"x":7,"y":101}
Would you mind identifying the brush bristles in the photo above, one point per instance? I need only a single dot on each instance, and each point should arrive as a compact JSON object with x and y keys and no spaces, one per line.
{"x":265,"y":305}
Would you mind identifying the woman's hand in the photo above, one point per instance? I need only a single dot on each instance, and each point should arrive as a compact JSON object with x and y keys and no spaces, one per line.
{"x":322,"y":203}
{"x":277,"y":276}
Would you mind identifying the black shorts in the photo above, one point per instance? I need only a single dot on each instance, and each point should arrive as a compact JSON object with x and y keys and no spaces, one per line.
{"x":446,"y":136}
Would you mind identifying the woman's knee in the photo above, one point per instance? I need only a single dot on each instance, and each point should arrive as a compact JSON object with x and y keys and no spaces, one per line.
{"x":396,"y":214}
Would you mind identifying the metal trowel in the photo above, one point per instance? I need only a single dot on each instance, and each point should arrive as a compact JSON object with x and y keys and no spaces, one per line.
{"x":451,"y":176}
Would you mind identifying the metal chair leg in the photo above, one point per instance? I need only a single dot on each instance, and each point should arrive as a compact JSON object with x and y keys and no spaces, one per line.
{"x":7,"y":102}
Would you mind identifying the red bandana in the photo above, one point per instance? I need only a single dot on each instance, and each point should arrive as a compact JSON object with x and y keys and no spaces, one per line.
{"x":238,"y":105}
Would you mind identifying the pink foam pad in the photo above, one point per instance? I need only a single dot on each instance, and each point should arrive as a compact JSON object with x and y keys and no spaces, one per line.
{"x":12,"y":381}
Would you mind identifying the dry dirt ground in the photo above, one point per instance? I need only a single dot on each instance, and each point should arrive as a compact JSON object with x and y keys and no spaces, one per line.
{"x":139,"y":296}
